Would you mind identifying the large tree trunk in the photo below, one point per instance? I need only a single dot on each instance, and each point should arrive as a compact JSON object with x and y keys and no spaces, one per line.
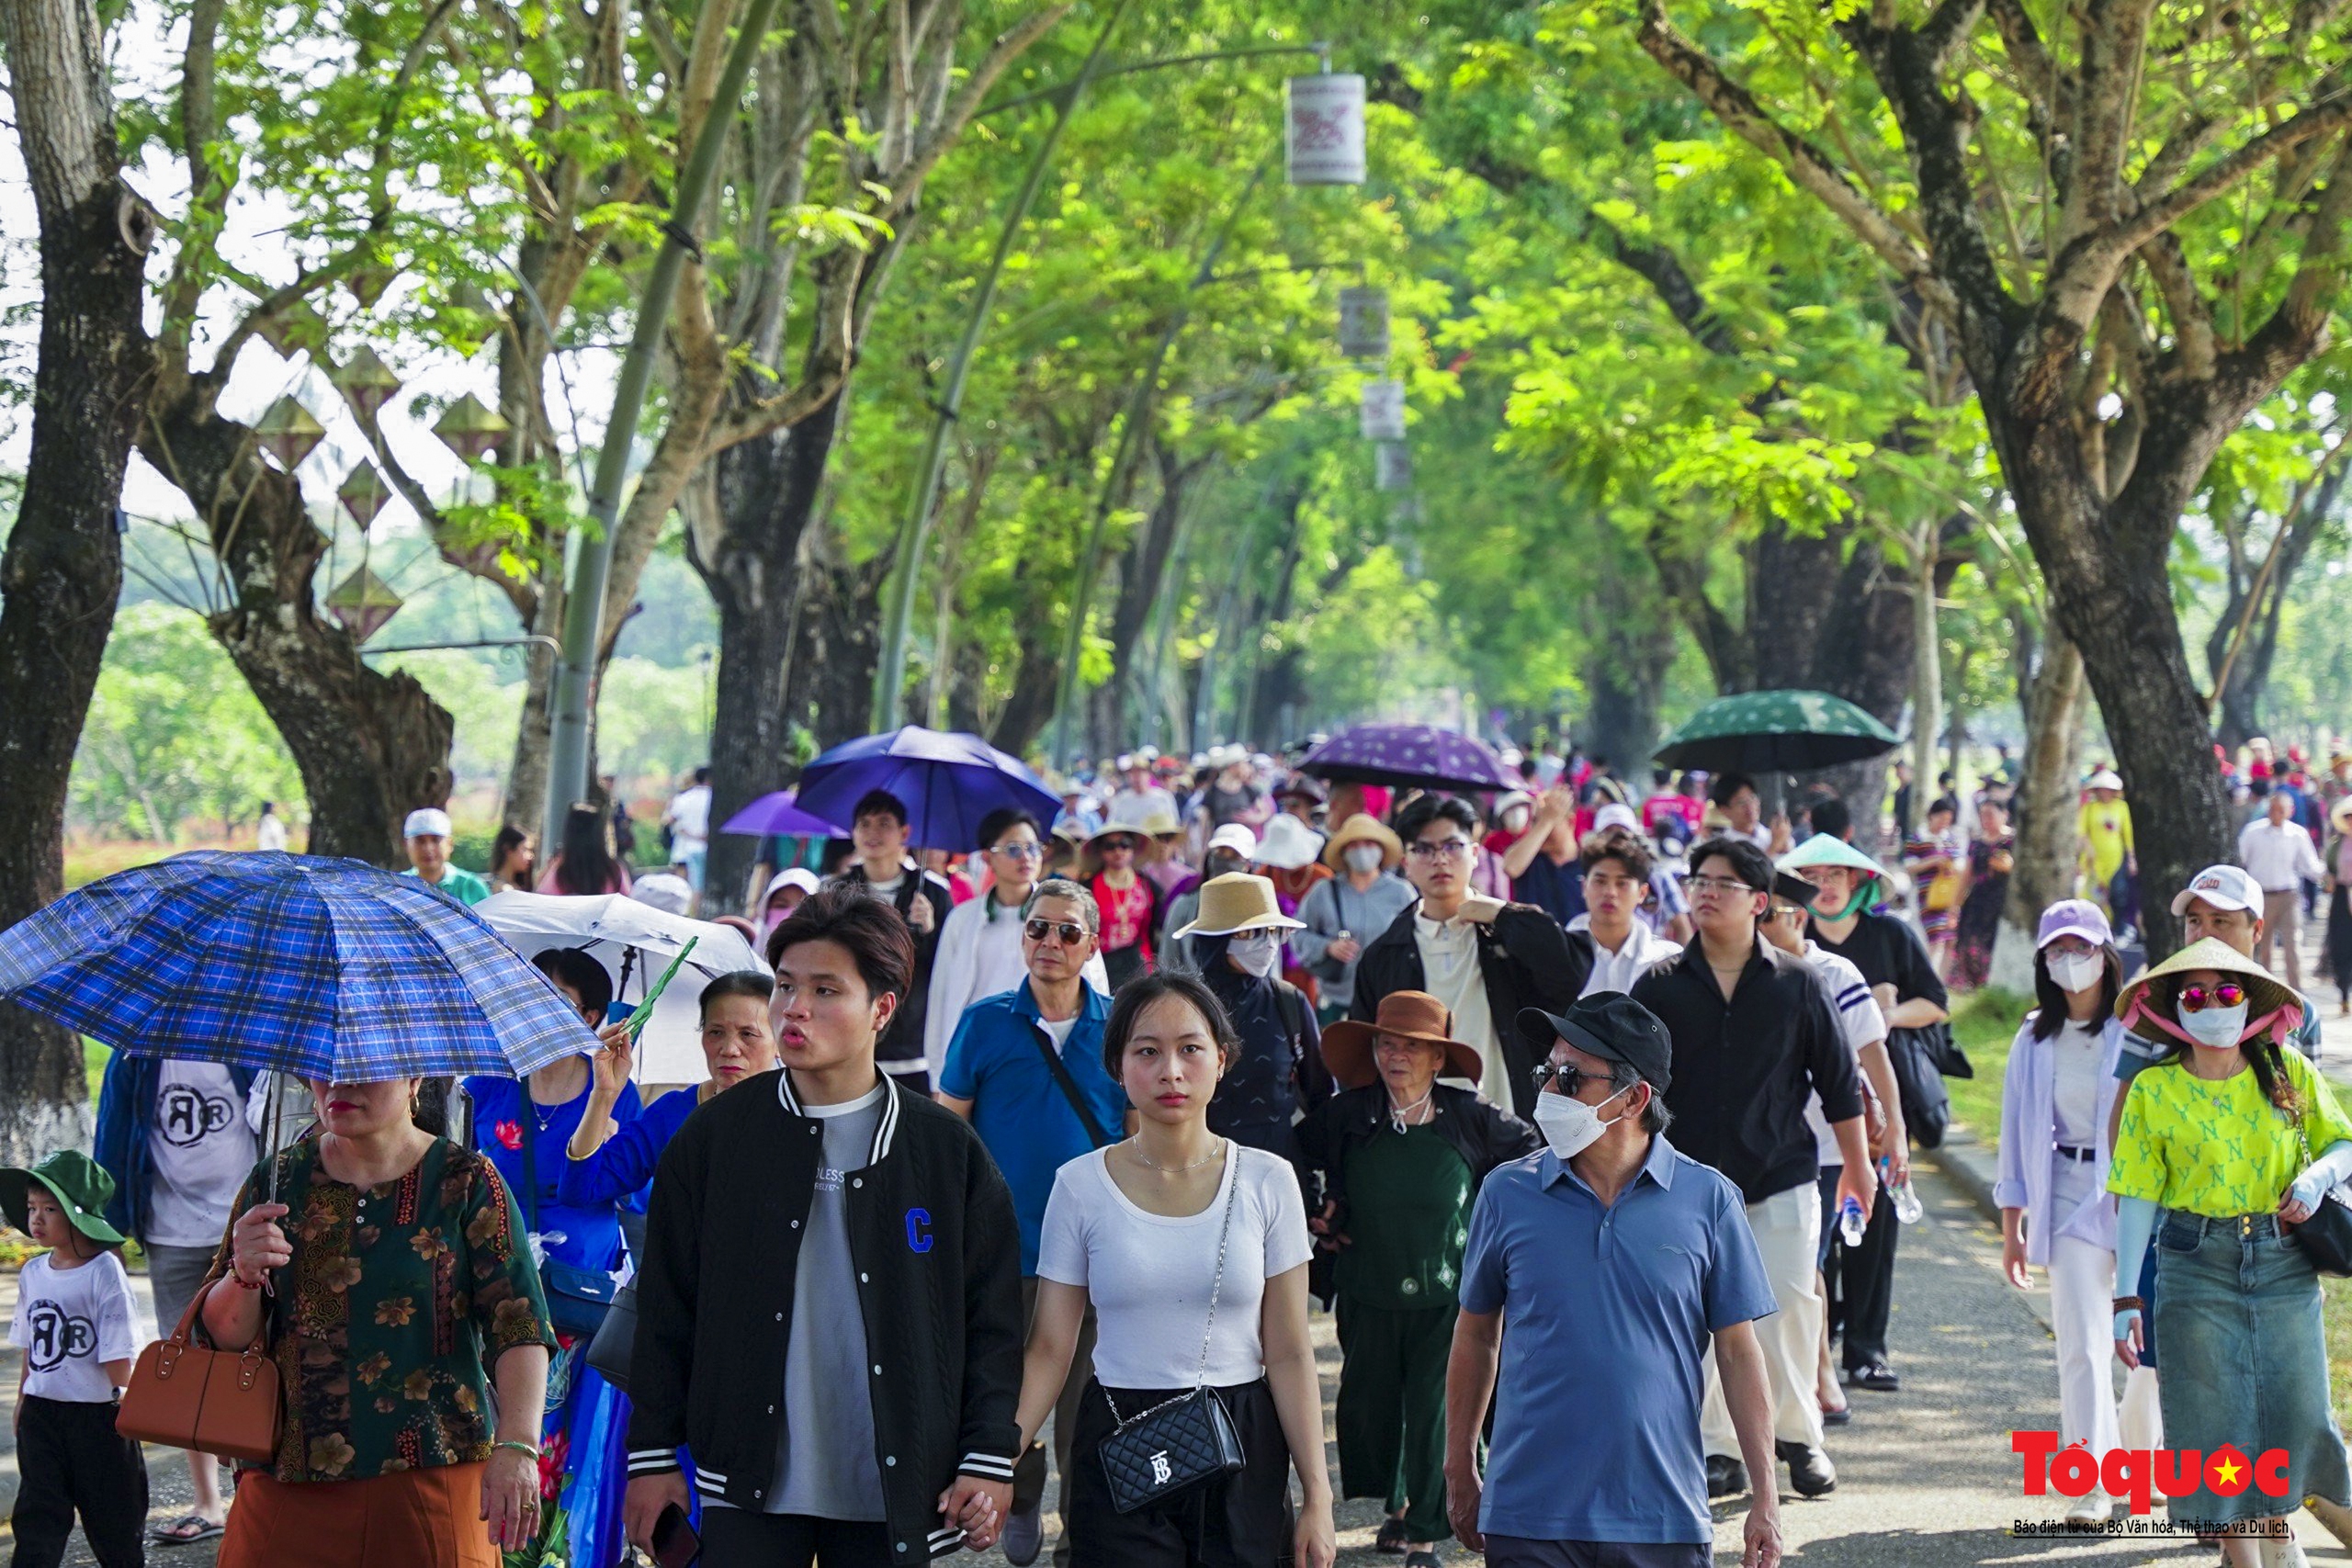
{"x":767,"y":491}
{"x":527,"y":776}
{"x":2242,"y":675}
{"x":371,"y":745}
{"x":1628,"y":680}
{"x":62,"y":568}
{"x":2047,"y":822}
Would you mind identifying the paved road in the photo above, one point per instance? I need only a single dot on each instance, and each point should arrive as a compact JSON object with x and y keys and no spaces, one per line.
{"x":1927,"y":1480}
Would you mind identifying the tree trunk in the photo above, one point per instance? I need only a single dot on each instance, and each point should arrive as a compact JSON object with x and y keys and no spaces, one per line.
{"x":2239,"y":701}
{"x":767,"y":491}
{"x":1628,"y":685}
{"x":526,"y":778}
{"x":2047,"y":823}
{"x":61,"y":571}
{"x":370,"y":746}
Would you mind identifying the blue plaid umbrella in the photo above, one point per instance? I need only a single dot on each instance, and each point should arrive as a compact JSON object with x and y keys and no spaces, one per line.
{"x":324,"y":968}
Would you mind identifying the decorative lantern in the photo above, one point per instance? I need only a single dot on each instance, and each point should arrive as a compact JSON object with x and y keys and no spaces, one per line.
{"x":362,"y":493}
{"x":469,"y":429}
{"x":1325,"y":131}
{"x":368,"y":382}
{"x":1392,"y":466}
{"x":363,"y":603}
{"x":288,"y":433}
{"x":1363,"y":323}
{"x":1383,"y":411}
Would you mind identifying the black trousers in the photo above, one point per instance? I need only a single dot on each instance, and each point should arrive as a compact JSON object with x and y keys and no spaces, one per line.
{"x":1241,"y":1520}
{"x":71,"y":1459}
{"x":734,"y":1538}
{"x":1866,"y":1282}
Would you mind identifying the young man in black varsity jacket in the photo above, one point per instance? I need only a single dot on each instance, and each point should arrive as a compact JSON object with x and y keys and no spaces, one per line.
{"x":828,"y":1313}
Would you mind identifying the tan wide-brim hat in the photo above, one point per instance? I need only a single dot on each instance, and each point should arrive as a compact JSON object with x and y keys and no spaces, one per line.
{"x":1161,"y":824}
{"x":1365,"y":828}
{"x":1239,"y":901}
{"x":2147,"y":1004}
{"x":1412,"y":1015}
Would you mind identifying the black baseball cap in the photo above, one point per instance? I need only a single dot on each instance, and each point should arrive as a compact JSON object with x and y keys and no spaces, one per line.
{"x":1613,"y":1026}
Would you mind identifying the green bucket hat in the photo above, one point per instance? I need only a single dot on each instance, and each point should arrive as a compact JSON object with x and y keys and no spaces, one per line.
{"x":80,"y":1185}
{"x":1827,"y":849}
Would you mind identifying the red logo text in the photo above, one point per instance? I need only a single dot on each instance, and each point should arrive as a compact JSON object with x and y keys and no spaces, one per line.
{"x":2138,"y":1474}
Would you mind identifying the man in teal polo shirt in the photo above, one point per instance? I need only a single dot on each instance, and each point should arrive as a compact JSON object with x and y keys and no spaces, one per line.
{"x":426,"y":833}
{"x":1614,"y":1260}
{"x":1001,"y":1076}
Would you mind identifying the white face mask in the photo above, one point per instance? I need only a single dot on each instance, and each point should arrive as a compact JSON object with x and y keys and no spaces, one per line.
{"x":1257,"y":951}
{"x":2217,"y":1029}
{"x":2076,"y":971}
{"x":1363,"y":857}
{"x":1516,"y":820}
{"x":1570,"y":1126}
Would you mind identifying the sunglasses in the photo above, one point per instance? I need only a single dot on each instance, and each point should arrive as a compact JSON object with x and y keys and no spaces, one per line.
{"x":2197,"y":999}
{"x":1019,"y":852}
{"x":1569,"y":1078}
{"x":1070,"y":932}
{"x":1115,"y":846}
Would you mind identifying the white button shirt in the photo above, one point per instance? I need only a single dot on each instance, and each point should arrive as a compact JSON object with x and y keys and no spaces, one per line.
{"x":2278,"y":855}
{"x":1450,"y":972}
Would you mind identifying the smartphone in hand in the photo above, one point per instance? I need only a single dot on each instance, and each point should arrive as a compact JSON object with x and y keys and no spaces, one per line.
{"x":676,"y":1545}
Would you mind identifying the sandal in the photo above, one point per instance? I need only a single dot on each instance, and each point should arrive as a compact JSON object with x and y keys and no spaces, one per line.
{"x":1392,"y":1536}
{"x":186,"y":1530}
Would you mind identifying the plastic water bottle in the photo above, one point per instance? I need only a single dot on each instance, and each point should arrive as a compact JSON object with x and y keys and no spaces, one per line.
{"x":1850,"y":1222}
{"x":1907,"y":1207}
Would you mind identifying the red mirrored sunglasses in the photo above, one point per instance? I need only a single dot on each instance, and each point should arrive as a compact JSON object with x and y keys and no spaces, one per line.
{"x":2197,"y":999}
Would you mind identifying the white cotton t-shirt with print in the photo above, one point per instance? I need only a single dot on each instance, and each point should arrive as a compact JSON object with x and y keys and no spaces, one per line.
{"x":1863,"y":1024}
{"x":71,"y":1322}
{"x":201,"y":1149}
{"x":1147,"y":1275}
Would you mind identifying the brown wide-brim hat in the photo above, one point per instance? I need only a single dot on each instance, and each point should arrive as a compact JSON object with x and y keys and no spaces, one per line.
{"x":1365,"y":828}
{"x":2146,"y":1009}
{"x":1411,"y":1015}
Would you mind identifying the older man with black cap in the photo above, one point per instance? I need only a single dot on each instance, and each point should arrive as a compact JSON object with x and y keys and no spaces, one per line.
{"x":1616,"y":1262}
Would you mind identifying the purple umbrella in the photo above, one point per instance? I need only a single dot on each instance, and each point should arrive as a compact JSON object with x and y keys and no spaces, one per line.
{"x":947,"y":782}
{"x":1414,"y":756}
{"x":776,"y":813}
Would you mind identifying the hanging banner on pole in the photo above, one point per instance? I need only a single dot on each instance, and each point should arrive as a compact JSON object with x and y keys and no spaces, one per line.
{"x":1392,"y":466}
{"x":1383,"y":411}
{"x":1325,"y":134}
{"x":1363,"y":323}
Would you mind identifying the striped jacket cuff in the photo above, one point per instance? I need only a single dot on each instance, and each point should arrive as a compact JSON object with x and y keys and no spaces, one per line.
{"x":987,"y":1467}
{"x":652,"y":1461}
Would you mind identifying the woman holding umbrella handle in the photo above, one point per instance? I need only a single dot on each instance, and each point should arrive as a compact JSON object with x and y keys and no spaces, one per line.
{"x":385,"y":1230}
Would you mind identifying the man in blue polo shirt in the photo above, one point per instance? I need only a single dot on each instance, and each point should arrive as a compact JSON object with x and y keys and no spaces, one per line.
{"x":1614,"y":1260}
{"x":1025,"y":1068}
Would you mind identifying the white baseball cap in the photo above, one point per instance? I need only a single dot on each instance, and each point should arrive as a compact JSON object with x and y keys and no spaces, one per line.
{"x":1236,"y":837}
{"x":1616,"y":815}
{"x":427,"y":822}
{"x":2224,"y":886}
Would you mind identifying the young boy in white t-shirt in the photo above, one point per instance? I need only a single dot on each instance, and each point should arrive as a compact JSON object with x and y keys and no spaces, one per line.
{"x":79,"y":1328}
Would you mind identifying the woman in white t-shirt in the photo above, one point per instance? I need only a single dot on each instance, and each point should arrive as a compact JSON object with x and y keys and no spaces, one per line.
{"x":1139,"y":1231}
{"x":2055,"y":1211}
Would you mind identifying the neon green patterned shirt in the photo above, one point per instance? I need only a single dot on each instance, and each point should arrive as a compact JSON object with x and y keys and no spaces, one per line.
{"x":2218,"y":1149}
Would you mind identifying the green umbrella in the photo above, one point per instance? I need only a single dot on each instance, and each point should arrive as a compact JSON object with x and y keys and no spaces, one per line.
{"x":1775,"y":732}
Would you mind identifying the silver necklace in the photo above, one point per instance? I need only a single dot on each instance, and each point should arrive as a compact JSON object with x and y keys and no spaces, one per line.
{"x":1136,"y":1149}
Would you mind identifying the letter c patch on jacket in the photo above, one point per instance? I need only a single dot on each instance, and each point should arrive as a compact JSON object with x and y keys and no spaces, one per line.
{"x":919,"y":1236}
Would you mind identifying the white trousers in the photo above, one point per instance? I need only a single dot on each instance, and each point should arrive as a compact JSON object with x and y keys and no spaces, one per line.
{"x":2082,"y":1294}
{"x":1787,"y":1228}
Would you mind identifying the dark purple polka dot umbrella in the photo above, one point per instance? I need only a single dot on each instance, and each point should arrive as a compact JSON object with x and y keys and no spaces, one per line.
{"x":1412,"y":756}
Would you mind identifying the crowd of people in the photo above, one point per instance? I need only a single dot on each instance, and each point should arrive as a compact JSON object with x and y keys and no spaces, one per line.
{"x":1054,"y":1142}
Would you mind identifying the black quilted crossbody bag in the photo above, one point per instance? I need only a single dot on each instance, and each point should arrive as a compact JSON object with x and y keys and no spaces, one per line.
{"x":1183,"y":1441}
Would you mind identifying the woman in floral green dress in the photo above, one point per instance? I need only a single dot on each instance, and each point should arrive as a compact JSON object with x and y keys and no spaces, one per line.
{"x":394,"y":1281}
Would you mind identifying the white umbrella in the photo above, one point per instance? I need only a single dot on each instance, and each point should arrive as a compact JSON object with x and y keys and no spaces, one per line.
{"x":635,"y":942}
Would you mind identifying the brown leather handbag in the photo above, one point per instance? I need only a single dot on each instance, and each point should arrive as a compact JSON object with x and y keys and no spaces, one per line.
{"x":186,"y":1395}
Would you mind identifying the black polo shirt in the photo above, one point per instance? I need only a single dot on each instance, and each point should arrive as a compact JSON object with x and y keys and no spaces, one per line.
{"x":1743,"y":1069}
{"x":1888,"y":953}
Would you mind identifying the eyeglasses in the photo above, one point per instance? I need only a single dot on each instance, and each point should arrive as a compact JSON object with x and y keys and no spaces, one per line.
{"x":1569,"y":1080}
{"x":1715,"y":886}
{"x":1019,"y":852}
{"x":1070,"y":932}
{"x":1443,"y":848}
{"x":2197,"y":999}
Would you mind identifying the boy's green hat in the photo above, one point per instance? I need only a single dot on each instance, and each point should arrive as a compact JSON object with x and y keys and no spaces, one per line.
{"x":80,"y":1185}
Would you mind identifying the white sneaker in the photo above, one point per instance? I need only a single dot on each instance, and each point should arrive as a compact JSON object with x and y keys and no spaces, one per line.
{"x":2094,"y":1507}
